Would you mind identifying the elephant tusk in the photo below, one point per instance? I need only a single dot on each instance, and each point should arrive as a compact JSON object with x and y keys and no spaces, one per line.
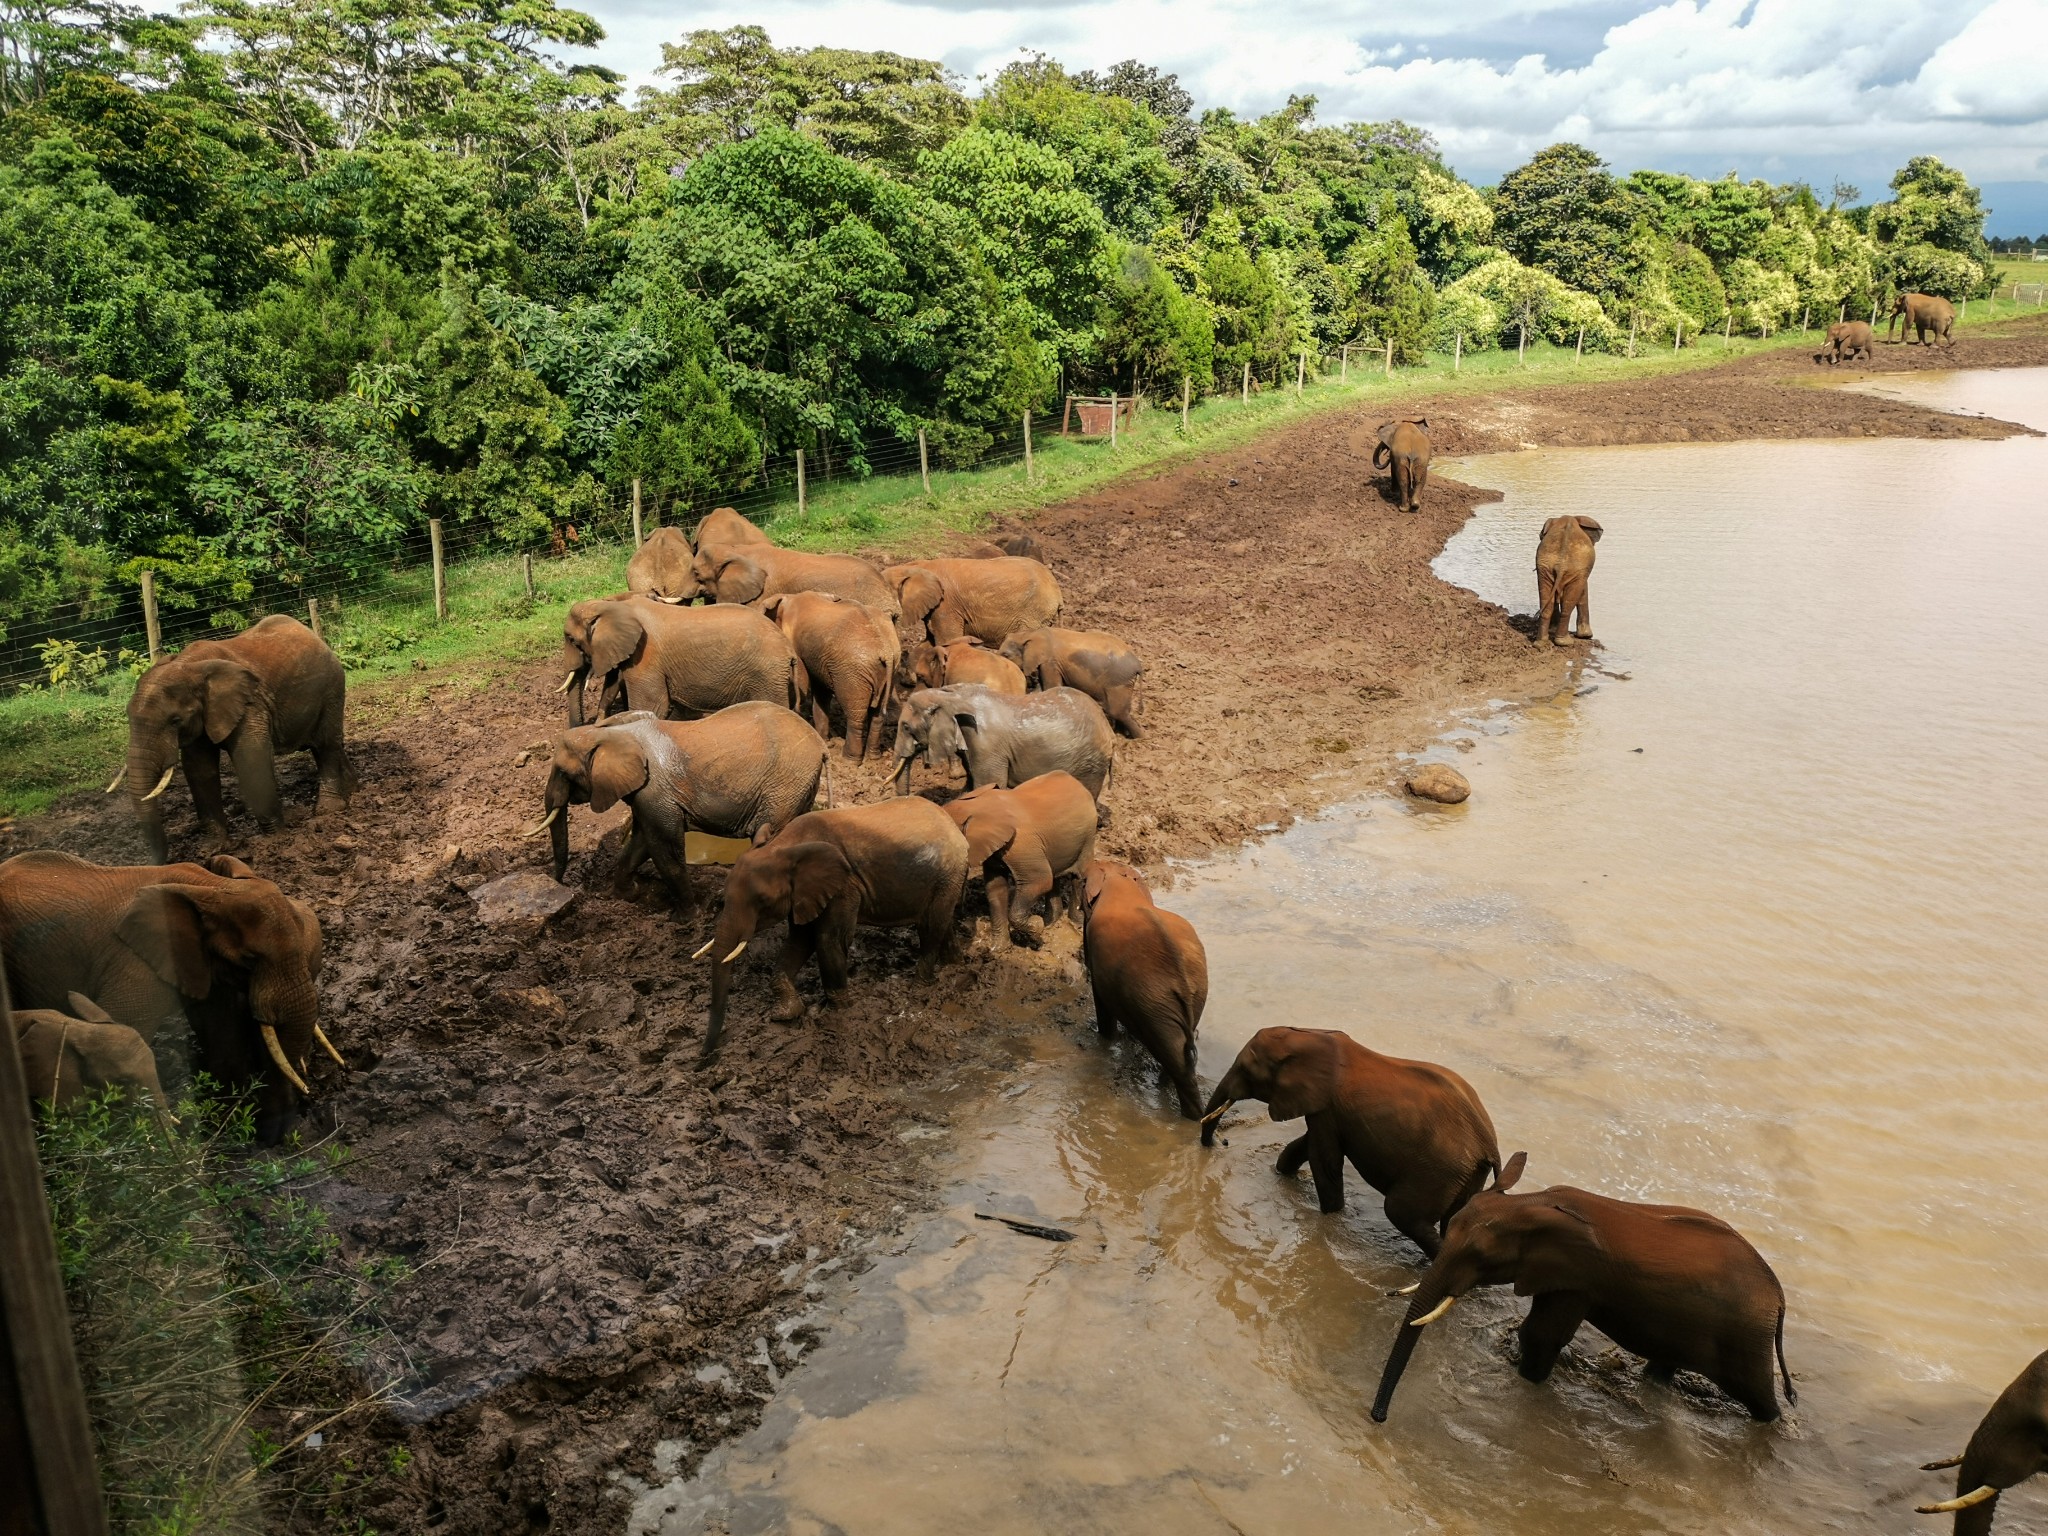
{"x":1435,"y":1312}
{"x":567,"y":683}
{"x":728,"y":960}
{"x":162,"y":784}
{"x":543,"y":824}
{"x":1941,"y":1466}
{"x":1967,"y":1501}
{"x":276,"y":1049}
{"x":116,"y":783}
{"x":706,"y":949}
{"x":1407,"y":1290}
{"x":1218,"y":1113}
{"x":327,"y":1045}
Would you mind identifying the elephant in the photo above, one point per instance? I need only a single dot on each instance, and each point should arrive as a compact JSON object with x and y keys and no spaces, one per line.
{"x":660,"y":568}
{"x":1147,"y":970}
{"x":1846,"y":341}
{"x":273,"y":688}
{"x":965,"y":660}
{"x":1564,"y":562}
{"x":892,"y":864}
{"x":743,"y":772}
{"x":1003,"y":741}
{"x":1100,"y":665}
{"x":942,"y":600}
{"x":1922,"y":313}
{"x":746,"y":573}
{"x":996,"y":546}
{"x":1404,"y":448}
{"x":2010,"y":1446}
{"x":71,"y":1054}
{"x":663,"y":658}
{"x":849,"y":653}
{"x":1677,"y":1286}
{"x":724,"y":525}
{"x":1416,"y":1132}
{"x":230,"y":952}
{"x":1025,"y":841}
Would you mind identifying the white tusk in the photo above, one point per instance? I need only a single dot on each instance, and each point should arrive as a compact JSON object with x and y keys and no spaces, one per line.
{"x":162,"y":784}
{"x":116,"y":784}
{"x":728,"y":960}
{"x":1435,"y":1312}
{"x":543,"y":824}
{"x":1220,"y":1111}
{"x":1967,"y":1501}
{"x":567,"y":683}
{"x":276,"y":1049}
{"x":706,"y":949}
{"x":328,"y":1045}
{"x":1407,"y":1290}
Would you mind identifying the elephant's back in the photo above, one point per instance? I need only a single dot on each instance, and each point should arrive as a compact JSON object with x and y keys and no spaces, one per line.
{"x":792,"y":570}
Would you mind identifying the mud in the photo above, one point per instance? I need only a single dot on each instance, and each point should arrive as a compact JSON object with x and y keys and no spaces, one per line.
{"x":611,"y":1248}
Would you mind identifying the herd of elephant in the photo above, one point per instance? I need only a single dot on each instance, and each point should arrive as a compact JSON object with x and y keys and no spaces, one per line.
{"x":1927,"y":318}
{"x":721,"y":675}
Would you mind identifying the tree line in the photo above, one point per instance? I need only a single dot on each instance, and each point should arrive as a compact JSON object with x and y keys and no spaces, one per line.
{"x":281,"y":279}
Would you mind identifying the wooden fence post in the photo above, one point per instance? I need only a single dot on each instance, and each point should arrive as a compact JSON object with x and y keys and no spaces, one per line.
{"x":1728,"y":330}
{"x":1300,"y":372}
{"x":1632,"y":317}
{"x":1027,"y":447}
{"x":440,"y":570}
{"x":1458,"y":353}
{"x":313,"y":617}
{"x":1244,"y":392}
{"x":1579,"y":352}
{"x":150,"y":625}
{"x":1522,"y":343}
{"x":1187,"y":389}
{"x":1805,"y":315}
{"x":1677,"y":338}
{"x":528,"y":561}
{"x":799,"y":482}
{"x":1112,"y":415}
{"x":1344,"y":368}
{"x":924,"y":461}
{"x":45,"y":1435}
{"x":638,"y":539}
{"x":1390,"y":357}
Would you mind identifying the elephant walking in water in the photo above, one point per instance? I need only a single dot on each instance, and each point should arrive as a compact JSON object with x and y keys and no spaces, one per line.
{"x":1147,"y":970}
{"x":1025,"y":841}
{"x":1564,"y":563}
{"x":2010,"y":1446}
{"x":1404,"y":451}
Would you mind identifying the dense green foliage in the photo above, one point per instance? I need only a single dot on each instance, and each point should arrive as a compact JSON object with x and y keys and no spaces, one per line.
{"x":280,"y":281}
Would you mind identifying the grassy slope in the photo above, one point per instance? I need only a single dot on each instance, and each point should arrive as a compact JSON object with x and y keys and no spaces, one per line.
{"x":54,"y":743}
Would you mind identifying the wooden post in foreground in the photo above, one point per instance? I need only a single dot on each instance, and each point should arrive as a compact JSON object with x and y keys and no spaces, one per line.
{"x":1027,"y":447}
{"x":528,"y":561}
{"x":1300,"y":372}
{"x":1390,"y":357}
{"x":1187,"y":388}
{"x":1677,"y":338}
{"x":1112,"y":415}
{"x":150,"y":625}
{"x":313,"y":617}
{"x":1344,"y":368}
{"x":1728,"y":330}
{"x":45,"y":1436}
{"x":1458,"y":353}
{"x":638,"y":537}
{"x":440,"y":570}
{"x":799,"y":482}
{"x":1244,"y":392}
{"x":1632,"y":318}
{"x":924,"y":461}
{"x":1579,"y":352}
{"x":1805,"y":315}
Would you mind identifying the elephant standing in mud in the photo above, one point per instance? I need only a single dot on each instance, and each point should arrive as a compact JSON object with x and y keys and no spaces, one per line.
{"x":849,"y":653}
{"x":893,"y":864}
{"x":668,"y":659}
{"x":273,"y":688}
{"x":1846,"y":342}
{"x":744,"y":772}
{"x":1100,"y":665}
{"x":660,"y":568}
{"x":942,"y":600}
{"x":1025,"y":841}
{"x":1147,"y":971}
{"x":747,"y":573}
{"x":71,"y":1054}
{"x":965,"y":660}
{"x":1564,"y":564}
{"x":1416,"y":1132}
{"x":1925,"y":316}
{"x":1679,"y":1287}
{"x":146,"y":944}
{"x":2010,"y":1446}
{"x":724,"y":525}
{"x":1404,"y":450}
{"x":1004,"y":741}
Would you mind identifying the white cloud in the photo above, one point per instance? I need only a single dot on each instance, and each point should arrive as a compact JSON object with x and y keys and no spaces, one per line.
{"x":1778,"y":87}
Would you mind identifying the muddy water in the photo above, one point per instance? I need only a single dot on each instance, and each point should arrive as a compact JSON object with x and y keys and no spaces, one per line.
{"x":1748,"y":918}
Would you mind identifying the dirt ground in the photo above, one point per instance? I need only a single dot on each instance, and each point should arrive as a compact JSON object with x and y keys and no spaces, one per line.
{"x":611,"y":1247}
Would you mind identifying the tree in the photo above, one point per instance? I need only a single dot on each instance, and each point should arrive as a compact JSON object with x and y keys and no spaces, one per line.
{"x":1112,"y":143}
{"x":1934,"y":226}
{"x":1151,"y":327}
{"x":1564,"y":213}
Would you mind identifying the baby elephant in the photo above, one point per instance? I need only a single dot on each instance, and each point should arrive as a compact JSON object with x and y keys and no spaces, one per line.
{"x":893,"y":864}
{"x":1004,"y":741}
{"x":2010,"y":1446}
{"x":1677,"y":1286}
{"x":967,"y":660}
{"x":742,"y":772}
{"x":1148,"y":971}
{"x":1846,"y":341}
{"x":1100,"y":665}
{"x":1025,"y":840}
{"x":1415,"y":1132}
{"x":1564,"y":563}
{"x":849,"y":653}
{"x":1404,"y":448}
{"x":66,"y":1056}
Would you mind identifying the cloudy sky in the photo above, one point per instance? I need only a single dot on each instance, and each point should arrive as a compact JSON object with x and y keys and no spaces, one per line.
{"x":1812,"y":89}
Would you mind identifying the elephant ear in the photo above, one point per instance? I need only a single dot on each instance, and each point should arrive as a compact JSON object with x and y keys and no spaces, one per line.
{"x":1592,"y":528}
{"x":1422,"y":422}
{"x":1510,"y":1173}
{"x":228,"y":867}
{"x":988,"y":834}
{"x":819,"y":875}
{"x":740,"y":579}
{"x":1559,"y":1250}
{"x":231,"y":690}
{"x":1093,"y":880}
{"x":772,"y":609}
{"x":1301,"y":1082}
{"x":162,"y":925}
{"x":79,"y":1006}
{"x":615,"y":634}
{"x":618,"y":768}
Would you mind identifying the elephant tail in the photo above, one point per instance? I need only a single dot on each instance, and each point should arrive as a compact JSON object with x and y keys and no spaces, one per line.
{"x":1382,"y":456}
{"x":1791,"y":1396}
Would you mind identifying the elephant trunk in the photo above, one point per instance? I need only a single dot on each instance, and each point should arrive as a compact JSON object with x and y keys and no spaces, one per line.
{"x":1227,"y":1093}
{"x":256,"y":770}
{"x":149,"y":758}
{"x":1430,"y":1296}
{"x":556,"y":803}
{"x":735,"y":930}
{"x":906,"y":754}
{"x":576,"y":665}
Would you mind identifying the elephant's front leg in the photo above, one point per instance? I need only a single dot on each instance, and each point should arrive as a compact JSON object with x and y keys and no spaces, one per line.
{"x":1553,"y":1318}
{"x":797,"y":950}
{"x":835,"y":948}
{"x":673,"y":864}
{"x":1323,"y":1149}
{"x":202,"y":777}
{"x":999,"y":930}
{"x":1026,"y":865}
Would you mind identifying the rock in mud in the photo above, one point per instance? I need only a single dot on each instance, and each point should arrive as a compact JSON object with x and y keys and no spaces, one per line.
{"x":1439,"y":782}
{"x":521,"y":902}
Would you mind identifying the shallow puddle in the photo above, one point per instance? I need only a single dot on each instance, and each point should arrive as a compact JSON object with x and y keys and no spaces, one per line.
{"x":1748,"y":918}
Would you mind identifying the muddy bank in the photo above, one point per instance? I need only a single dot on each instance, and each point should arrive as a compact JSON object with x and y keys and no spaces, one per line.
{"x":611,"y":1249}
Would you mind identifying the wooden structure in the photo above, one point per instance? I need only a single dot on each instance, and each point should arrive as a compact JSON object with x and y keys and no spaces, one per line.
{"x":1100,"y":415}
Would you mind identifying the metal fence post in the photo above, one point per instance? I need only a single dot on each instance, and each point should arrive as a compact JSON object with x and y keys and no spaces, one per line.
{"x":924,"y":462}
{"x":440,"y":570}
{"x":800,"y":482}
{"x":638,"y":540}
{"x":150,"y":625}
